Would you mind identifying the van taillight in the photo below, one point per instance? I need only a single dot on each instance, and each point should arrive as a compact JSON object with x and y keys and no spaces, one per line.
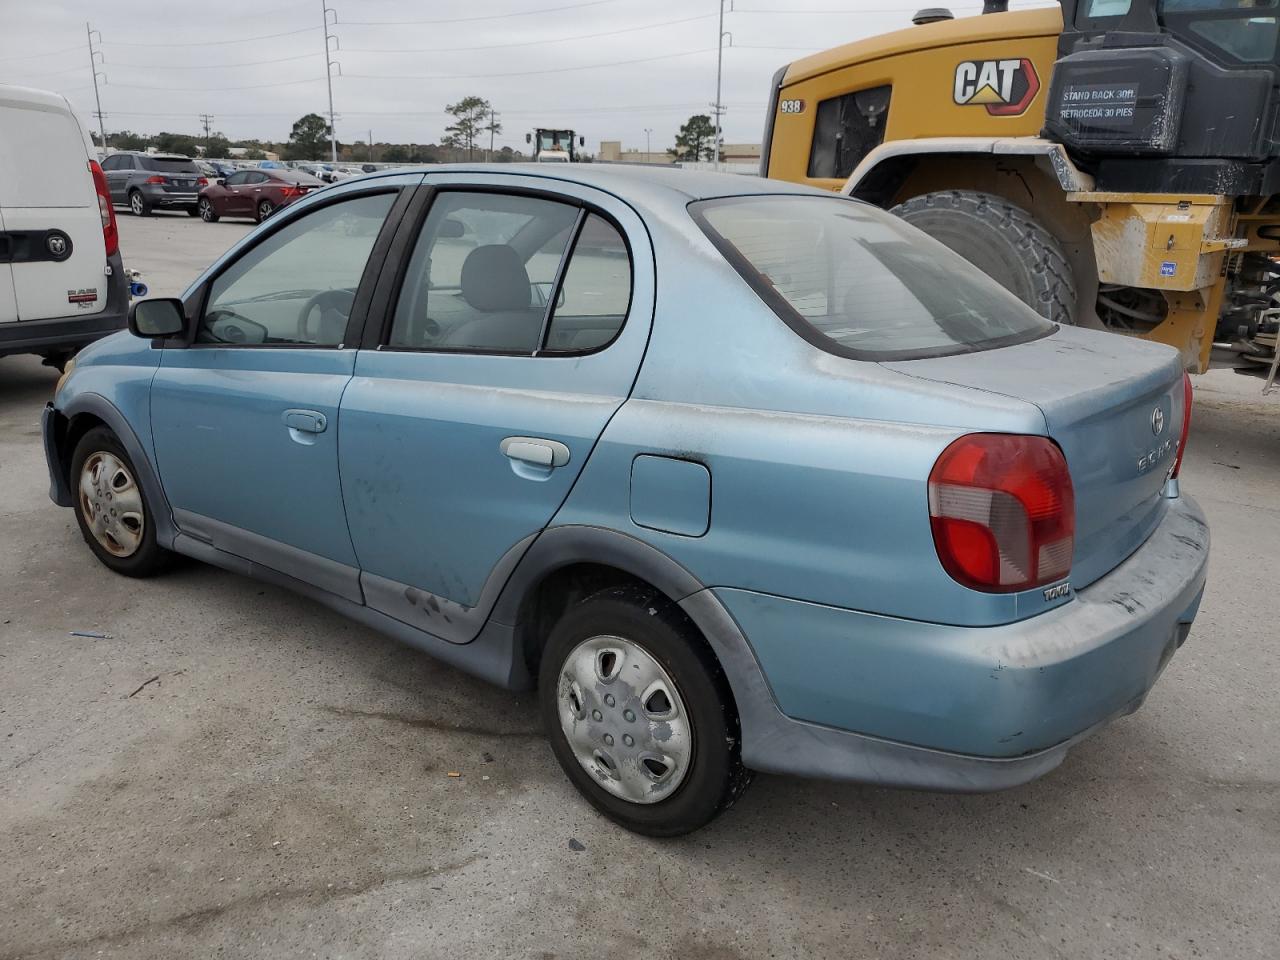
{"x":1186,"y":425}
{"x":1003,"y":512}
{"x":110,"y":232}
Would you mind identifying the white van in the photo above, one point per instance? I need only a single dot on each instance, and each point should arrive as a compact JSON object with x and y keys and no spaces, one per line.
{"x":62,"y":284}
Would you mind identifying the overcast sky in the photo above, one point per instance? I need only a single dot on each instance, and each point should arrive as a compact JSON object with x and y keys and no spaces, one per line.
{"x":608,"y":68}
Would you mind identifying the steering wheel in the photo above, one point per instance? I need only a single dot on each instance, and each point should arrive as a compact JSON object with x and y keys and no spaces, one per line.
{"x":333,"y":304}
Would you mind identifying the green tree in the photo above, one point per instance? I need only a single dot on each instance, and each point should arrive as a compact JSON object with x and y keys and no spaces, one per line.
{"x":127,"y":140}
{"x":696,"y":139}
{"x":255,"y":153}
{"x":471,"y":115}
{"x":176,"y":143}
{"x":217,"y":146}
{"x":309,"y":138}
{"x":397,"y":153}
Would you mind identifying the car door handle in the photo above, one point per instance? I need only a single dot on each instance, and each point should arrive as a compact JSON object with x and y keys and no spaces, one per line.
{"x":305,"y":421}
{"x":535,"y":451}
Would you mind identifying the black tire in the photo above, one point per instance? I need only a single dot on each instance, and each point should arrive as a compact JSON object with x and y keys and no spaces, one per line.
{"x":714,"y":777}
{"x":193,"y":211}
{"x":206,"y":212}
{"x":263,"y":210}
{"x":138,"y":205}
{"x":149,"y":558}
{"x":1003,"y":241}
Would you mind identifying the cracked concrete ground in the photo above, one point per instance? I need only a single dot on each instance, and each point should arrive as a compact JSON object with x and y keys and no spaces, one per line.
{"x":282,"y":789}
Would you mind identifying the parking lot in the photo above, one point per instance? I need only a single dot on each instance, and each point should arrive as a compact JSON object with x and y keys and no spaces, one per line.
{"x":235,"y":772}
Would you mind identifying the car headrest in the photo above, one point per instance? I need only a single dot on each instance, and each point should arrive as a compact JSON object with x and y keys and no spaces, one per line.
{"x":494,"y":278}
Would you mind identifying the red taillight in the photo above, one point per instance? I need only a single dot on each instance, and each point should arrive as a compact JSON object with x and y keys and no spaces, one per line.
{"x":1003,"y":512}
{"x":110,"y":233}
{"x":289,"y":193}
{"x":202,"y":182}
{"x":155,"y":180}
{"x":1186,"y":425}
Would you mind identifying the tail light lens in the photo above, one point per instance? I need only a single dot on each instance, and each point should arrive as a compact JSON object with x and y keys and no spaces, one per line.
{"x":288,"y":193}
{"x":202,"y":182}
{"x":110,"y":232}
{"x":1186,"y":425}
{"x":1003,"y":512}
{"x":154,"y":180}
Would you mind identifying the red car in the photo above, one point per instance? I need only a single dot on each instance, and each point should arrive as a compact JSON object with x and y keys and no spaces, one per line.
{"x":254,"y":193}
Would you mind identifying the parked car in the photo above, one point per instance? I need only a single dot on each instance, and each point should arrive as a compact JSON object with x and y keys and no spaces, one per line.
{"x":143,"y":181}
{"x":344,"y":173}
{"x":254,"y":193}
{"x":369,"y":167}
{"x":62,"y":284}
{"x":221,"y":168}
{"x":743,"y":475}
{"x":271,"y":165}
{"x":316,"y":170}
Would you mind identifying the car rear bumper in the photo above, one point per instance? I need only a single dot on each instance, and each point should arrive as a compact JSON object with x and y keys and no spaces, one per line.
{"x":906,"y":703}
{"x":68,"y":334}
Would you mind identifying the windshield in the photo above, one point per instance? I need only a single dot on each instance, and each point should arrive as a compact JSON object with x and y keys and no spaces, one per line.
{"x":859,"y":282}
{"x":175,"y":164}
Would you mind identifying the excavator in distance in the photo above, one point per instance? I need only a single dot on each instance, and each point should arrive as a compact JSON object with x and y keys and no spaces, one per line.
{"x":1114,"y":163}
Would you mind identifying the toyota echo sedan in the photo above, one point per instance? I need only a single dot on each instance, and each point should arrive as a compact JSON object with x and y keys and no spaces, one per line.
{"x":740,"y":475}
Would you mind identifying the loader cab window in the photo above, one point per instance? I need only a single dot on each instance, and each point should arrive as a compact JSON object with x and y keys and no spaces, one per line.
{"x":846,"y":129}
{"x":1243,"y":31}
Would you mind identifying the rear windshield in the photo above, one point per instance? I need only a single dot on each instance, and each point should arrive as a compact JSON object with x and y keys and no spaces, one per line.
{"x":859,"y":282}
{"x":174,"y":164}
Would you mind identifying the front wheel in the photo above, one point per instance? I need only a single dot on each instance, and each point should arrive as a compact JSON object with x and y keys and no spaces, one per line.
{"x":206,"y":211}
{"x":264,"y":209}
{"x":111,"y":508}
{"x":639,"y":713}
{"x":1003,"y":241}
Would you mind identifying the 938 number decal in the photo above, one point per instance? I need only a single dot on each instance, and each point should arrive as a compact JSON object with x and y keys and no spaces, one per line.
{"x":791,"y":106}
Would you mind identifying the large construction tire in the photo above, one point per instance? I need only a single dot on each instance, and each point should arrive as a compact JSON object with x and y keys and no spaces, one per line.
{"x":1004,"y":242}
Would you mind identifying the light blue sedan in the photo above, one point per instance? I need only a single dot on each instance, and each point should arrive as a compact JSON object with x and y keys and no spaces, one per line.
{"x":743,"y":476}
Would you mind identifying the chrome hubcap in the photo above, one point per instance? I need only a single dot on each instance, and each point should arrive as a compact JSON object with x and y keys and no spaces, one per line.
{"x":624,"y":719}
{"x":112,"y":504}
{"x":135,"y":204}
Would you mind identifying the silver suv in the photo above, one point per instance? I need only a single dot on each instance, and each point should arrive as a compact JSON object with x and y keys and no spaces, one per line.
{"x":144,"y":182}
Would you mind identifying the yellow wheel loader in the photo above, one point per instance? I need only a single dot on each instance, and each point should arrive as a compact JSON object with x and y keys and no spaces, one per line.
{"x":1115,"y":163}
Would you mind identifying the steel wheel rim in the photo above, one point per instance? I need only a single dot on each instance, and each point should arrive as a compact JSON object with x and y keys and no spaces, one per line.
{"x":111,"y":504}
{"x":206,"y":210}
{"x":135,"y":204}
{"x":624,"y":719}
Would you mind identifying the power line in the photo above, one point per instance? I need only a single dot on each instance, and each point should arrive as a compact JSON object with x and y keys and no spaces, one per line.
{"x":254,"y":86}
{"x":219,"y":43}
{"x":532,"y":43}
{"x":38,"y":56}
{"x":531,"y":73}
{"x":491,"y":16}
{"x":213,"y":66}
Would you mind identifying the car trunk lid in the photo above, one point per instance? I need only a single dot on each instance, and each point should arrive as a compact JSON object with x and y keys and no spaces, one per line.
{"x":1115,"y":407}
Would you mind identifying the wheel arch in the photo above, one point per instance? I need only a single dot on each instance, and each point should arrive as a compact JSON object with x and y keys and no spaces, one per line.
{"x":1034,"y":174}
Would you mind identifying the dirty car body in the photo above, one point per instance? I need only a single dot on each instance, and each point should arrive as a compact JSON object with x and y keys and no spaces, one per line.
{"x":477,"y":425}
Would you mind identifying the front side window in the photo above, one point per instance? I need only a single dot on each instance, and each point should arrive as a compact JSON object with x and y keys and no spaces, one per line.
{"x":482,"y":273}
{"x":859,"y":282}
{"x":298,"y":285}
{"x":236,"y":179}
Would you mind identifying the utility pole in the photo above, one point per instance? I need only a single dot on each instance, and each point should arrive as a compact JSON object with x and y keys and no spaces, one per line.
{"x":93,"y":66}
{"x":492,"y":123}
{"x":371,"y":146}
{"x":329,"y":64}
{"x":207,"y":120}
{"x":718,"y":107}
{"x":648,"y":147}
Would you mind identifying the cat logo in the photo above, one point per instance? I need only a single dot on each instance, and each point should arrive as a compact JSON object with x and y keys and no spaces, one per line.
{"x":1005,"y":87}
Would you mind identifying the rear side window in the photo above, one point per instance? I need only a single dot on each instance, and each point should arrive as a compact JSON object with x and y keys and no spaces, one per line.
{"x":846,"y":129}
{"x":595,"y":292}
{"x":858,"y":282}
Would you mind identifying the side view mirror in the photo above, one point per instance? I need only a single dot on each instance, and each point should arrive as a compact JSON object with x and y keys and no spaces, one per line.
{"x":452,"y":229}
{"x":528,"y":138}
{"x":161,"y":317}
{"x":221,"y":181}
{"x":582,"y":141}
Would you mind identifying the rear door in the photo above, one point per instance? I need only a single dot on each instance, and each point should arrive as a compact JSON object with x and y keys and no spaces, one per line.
{"x":117,"y":169}
{"x":464,"y":430}
{"x":57,"y":252}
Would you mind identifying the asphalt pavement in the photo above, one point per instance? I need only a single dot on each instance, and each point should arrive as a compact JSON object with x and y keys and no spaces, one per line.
{"x":235,"y":772}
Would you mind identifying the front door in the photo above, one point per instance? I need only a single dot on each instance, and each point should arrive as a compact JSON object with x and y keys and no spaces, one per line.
{"x":513,"y":339}
{"x":245,"y":418}
{"x":235,"y":201}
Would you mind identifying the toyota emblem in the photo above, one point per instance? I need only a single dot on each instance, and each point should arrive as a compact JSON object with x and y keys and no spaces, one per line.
{"x":1157,"y":421}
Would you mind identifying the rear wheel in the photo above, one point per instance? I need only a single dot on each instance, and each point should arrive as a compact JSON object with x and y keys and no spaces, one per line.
{"x":138,"y":205}
{"x":639,"y":713}
{"x":111,"y":508}
{"x":206,"y":211}
{"x":264,"y":209}
{"x":1004,"y":242}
